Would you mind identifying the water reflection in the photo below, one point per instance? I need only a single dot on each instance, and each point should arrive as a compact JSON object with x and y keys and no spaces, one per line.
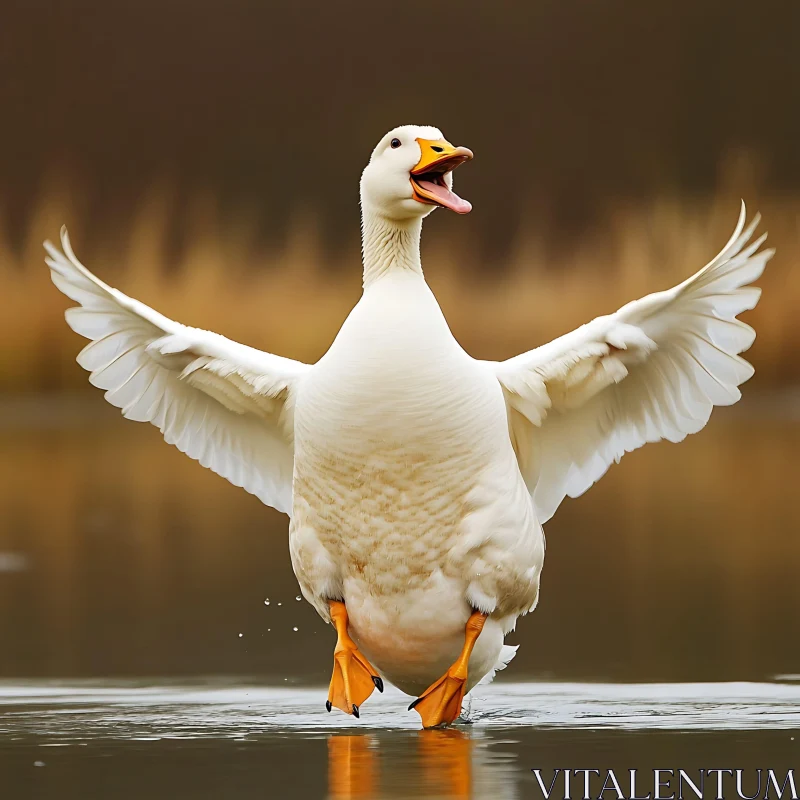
{"x":433,"y":764}
{"x":214,"y":739}
{"x":446,"y":762}
{"x":353,"y":767}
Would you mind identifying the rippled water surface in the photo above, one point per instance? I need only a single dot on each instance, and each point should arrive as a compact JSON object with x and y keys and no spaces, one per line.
{"x":120,"y":557}
{"x":234,"y":740}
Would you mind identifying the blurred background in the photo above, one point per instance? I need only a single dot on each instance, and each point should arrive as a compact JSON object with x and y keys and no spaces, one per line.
{"x":206,"y":157}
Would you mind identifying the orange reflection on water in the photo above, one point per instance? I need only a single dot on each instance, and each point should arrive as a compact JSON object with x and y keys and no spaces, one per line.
{"x":352,"y":767}
{"x":446,"y":763}
{"x":441,"y":767}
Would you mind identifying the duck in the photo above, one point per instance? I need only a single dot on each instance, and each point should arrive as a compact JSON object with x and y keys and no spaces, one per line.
{"x":417,"y":478}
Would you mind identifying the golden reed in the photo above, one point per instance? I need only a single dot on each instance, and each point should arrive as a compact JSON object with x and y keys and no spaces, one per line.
{"x":291,"y":299}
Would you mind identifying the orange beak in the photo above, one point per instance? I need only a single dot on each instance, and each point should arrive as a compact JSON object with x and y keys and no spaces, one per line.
{"x":438,"y":159}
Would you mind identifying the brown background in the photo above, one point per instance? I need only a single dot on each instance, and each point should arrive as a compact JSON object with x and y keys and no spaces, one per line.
{"x":277,"y":104}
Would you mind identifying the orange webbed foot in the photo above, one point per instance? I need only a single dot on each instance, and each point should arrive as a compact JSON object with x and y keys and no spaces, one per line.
{"x":440,"y":703}
{"x":354,"y":679}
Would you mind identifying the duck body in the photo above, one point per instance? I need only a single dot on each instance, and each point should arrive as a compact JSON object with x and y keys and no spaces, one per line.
{"x":417,"y":478}
{"x":408,"y":500}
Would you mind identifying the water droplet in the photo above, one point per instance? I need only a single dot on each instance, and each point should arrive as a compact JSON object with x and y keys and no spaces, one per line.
{"x":280,"y":604}
{"x":294,"y":629}
{"x":266,"y":602}
{"x":298,"y":598}
{"x":269,"y":629}
{"x":38,"y":763}
{"x":240,"y":635}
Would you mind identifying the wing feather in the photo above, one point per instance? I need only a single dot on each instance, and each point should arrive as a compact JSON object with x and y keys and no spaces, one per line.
{"x":220,"y":402}
{"x":653,"y":370}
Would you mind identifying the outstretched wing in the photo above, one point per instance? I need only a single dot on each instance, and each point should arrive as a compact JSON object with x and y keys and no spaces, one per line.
{"x":224,"y":404}
{"x":653,"y":370}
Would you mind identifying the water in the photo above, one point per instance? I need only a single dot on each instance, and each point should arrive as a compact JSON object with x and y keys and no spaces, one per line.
{"x":223,"y":738}
{"x":119,"y":557}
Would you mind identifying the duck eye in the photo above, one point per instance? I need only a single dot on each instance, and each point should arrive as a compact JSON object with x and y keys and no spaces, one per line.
{"x":395,"y":143}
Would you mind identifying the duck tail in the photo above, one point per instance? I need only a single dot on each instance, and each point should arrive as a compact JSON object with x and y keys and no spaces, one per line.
{"x":507,"y":652}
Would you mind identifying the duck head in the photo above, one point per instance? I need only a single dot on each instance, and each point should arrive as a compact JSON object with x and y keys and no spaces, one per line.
{"x":410,"y":173}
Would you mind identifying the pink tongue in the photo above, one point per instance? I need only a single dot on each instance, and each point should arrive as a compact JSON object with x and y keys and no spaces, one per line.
{"x":446,"y":197}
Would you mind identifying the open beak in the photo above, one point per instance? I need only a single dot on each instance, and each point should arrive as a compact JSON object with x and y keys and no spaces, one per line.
{"x":439,"y":158}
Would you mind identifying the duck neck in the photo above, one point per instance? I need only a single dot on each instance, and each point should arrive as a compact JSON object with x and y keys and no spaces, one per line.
{"x":389,"y":246}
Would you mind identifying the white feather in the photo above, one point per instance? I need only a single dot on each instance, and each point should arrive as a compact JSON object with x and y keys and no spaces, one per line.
{"x":507,"y":653}
{"x":222,"y":403}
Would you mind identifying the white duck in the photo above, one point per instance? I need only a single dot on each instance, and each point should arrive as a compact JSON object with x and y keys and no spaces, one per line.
{"x":418,"y":478}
